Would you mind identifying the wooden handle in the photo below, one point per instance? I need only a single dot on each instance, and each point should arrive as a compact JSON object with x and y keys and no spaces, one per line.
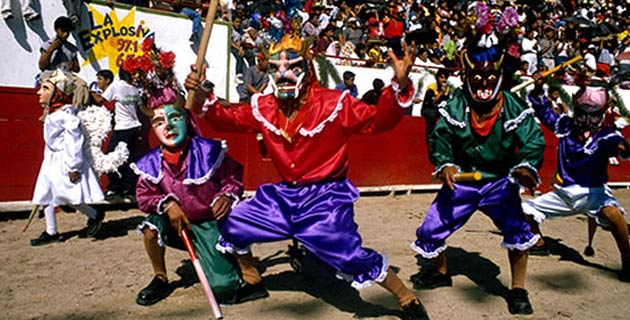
{"x":30,"y":217}
{"x":203,"y":47}
{"x":547,"y":73}
{"x":468,"y":176}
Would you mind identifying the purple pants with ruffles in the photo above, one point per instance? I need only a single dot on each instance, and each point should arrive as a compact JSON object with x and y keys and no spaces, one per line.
{"x":451,"y":209}
{"x":320,"y":216}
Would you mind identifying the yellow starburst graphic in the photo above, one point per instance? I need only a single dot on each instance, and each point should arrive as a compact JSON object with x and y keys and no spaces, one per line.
{"x":112,"y":38}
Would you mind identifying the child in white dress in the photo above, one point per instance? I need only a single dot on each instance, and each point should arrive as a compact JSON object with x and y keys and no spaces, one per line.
{"x":65,"y":176}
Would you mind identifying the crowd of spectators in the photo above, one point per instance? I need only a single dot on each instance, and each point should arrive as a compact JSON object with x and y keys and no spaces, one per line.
{"x":360,"y":32}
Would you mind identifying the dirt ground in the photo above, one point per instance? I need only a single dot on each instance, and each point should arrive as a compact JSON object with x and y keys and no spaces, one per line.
{"x":99,"y":278}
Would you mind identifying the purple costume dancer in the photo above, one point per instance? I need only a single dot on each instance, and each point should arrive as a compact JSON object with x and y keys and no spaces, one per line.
{"x":584,"y":147}
{"x":306,"y":130}
{"x":489,"y":131}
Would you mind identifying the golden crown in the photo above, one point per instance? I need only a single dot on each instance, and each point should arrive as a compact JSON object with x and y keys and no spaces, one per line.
{"x":289,"y":42}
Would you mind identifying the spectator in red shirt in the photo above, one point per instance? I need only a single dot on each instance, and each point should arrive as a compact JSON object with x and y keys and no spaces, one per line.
{"x":393,"y":31}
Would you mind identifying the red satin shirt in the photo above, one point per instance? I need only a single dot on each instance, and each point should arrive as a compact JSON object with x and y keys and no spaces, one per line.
{"x":312,"y":147}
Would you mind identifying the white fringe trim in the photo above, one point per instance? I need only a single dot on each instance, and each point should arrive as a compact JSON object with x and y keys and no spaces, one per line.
{"x":368,"y":283}
{"x":428,"y":255}
{"x":608,"y":136}
{"x":146,"y":176}
{"x":450,"y":120}
{"x":207,"y":104}
{"x":556,"y":127}
{"x":514,"y":123}
{"x":231,"y":250}
{"x":228,"y":194}
{"x":96,"y":125}
{"x":262,"y":119}
{"x":143,"y":224}
{"x":331,"y":117}
{"x":210,"y":172}
{"x":448,"y":164}
{"x":396,"y":87}
{"x":169,"y":196}
{"x":527,"y":165}
{"x":522,"y":246}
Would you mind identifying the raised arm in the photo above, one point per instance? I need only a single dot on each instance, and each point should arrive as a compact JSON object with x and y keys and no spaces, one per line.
{"x":359,"y":117}
{"x":221,"y":115}
{"x":542,"y":105}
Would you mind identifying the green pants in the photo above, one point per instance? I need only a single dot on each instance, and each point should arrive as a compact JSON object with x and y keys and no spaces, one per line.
{"x":221,"y":270}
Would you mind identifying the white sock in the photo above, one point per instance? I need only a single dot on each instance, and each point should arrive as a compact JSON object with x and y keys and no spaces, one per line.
{"x":51,"y":220}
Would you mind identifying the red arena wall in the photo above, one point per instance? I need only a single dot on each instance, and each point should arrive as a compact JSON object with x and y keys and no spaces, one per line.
{"x":397,"y":157}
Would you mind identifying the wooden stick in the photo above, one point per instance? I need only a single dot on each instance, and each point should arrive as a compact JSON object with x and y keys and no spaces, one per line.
{"x":201,"y":275}
{"x":30,"y":218}
{"x":468,"y":176}
{"x":463,"y":177}
{"x":563,"y":65}
{"x":203,"y":47}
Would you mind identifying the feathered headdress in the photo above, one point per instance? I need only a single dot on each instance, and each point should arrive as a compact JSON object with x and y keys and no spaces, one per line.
{"x":151,"y":70}
{"x":492,"y":41}
{"x":492,"y":33}
{"x":68,"y":88}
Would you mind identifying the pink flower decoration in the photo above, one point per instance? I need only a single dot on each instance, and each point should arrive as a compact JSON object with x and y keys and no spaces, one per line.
{"x":510,"y":17}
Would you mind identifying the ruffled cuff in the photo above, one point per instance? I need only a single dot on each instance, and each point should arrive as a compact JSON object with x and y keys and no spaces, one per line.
{"x":448,"y":164}
{"x":513,"y":178}
{"x":147,"y":224}
{"x":404,"y":97}
{"x":226,"y":247}
{"x":235,"y":199}
{"x":163,"y":201}
{"x":210,"y":101}
{"x":427,"y":254}
{"x":523,"y":245}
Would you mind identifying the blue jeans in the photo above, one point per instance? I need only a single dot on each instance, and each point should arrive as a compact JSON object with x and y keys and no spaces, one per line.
{"x":194,"y":16}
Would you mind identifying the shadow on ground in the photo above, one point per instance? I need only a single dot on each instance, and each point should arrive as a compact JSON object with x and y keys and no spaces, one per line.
{"x":109,"y":229}
{"x":315,"y":278}
{"x":472,"y":265}
{"x":566,"y":253}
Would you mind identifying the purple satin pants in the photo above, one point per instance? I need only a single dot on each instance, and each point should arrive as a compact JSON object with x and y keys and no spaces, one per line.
{"x":451,"y":209}
{"x":320,"y":216}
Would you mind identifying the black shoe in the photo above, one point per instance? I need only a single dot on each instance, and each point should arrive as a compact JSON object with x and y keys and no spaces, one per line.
{"x":94,"y":225}
{"x":157,"y":290}
{"x":129,"y":196}
{"x":414,"y":311}
{"x":111,"y":195}
{"x":249,"y":292}
{"x":589,"y":251}
{"x":518,"y":302}
{"x":45,"y":238}
{"x":542,"y":250}
{"x":431,"y":279}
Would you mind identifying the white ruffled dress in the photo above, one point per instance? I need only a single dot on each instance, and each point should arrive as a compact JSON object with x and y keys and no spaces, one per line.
{"x":63,"y":153}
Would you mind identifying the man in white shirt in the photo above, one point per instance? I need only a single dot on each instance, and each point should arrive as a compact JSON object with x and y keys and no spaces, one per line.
{"x":126,"y":98}
{"x":589,"y":58}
